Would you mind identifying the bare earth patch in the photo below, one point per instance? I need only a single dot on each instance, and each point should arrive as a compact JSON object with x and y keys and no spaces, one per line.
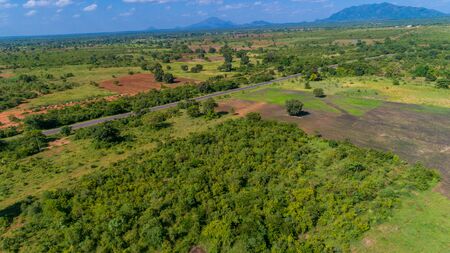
{"x":134,"y":84}
{"x":6,"y":75}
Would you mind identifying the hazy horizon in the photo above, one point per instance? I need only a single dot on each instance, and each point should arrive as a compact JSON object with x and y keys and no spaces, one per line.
{"x":47,"y":17}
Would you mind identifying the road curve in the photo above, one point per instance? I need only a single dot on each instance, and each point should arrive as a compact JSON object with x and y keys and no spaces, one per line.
{"x":94,"y":122}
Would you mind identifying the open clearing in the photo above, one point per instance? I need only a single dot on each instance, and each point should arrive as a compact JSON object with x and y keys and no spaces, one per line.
{"x":134,"y":84}
{"x":416,"y":133}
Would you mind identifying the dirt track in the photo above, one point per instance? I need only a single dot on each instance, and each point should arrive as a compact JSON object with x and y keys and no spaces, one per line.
{"x":415,"y":136}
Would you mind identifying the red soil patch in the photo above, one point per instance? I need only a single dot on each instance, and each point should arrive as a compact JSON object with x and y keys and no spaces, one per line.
{"x":6,"y":75}
{"x":241,"y":107}
{"x":134,"y":84}
{"x":58,"y":143}
{"x":19,"y":112}
{"x":22,"y":111}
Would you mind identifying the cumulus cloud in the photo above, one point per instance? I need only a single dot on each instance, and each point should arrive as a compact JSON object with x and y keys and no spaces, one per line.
{"x":91,"y":7}
{"x":31,"y":13}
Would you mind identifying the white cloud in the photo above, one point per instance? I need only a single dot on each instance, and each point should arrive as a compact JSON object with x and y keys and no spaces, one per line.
{"x":31,"y":13}
{"x":36,"y":3}
{"x":91,"y":7}
{"x":128,"y":13}
{"x":62,"y":3}
{"x":5,"y":4}
{"x":46,"y":3}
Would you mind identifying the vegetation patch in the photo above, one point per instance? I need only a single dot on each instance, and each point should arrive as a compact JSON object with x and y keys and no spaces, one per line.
{"x":246,"y":185}
{"x":420,"y":224}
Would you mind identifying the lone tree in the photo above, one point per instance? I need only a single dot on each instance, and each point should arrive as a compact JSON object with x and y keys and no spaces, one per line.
{"x":168,"y":78}
{"x":318,"y":92}
{"x":208,"y":107}
{"x":106,"y":135}
{"x":66,"y":130}
{"x":294,"y":107}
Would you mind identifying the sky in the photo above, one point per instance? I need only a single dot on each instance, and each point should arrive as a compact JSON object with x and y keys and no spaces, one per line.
{"x":42,"y":17}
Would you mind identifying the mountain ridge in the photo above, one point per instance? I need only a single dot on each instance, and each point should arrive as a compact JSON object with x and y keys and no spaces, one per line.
{"x":382,"y":11}
{"x":359,"y":13}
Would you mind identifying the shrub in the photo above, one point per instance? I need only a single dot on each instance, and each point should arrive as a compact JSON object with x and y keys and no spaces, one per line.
{"x":443,"y":83}
{"x":253,"y":116}
{"x":307,"y":85}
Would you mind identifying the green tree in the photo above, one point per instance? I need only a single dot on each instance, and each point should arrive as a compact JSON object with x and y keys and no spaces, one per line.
{"x":318,"y":92}
{"x":209,"y":106}
{"x":294,"y":107}
{"x":106,"y":135}
{"x":168,"y":78}
{"x":66,"y":130}
{"x":194,"y":111}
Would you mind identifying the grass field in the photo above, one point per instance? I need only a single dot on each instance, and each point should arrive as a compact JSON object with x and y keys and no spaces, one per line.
{"x":83,"y":74}
{"x":409,"y":91}
{"x":279,"y":97}
{"x":79,"y":93}
{"x":421,"y":224}
{"x":356,"y":106}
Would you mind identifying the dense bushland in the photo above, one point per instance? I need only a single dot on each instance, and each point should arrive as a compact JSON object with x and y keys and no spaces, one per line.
{"x":244,"y":186}
{"x":15,"y":91}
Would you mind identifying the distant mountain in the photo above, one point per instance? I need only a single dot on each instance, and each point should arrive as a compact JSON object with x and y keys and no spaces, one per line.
{"x":383,"y":11}
{"x":211,"y":24}
{"x":352,"y":15}
{"x":218,"y":24}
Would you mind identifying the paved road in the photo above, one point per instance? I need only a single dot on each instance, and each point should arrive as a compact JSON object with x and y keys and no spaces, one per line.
{"x":166,"y":106}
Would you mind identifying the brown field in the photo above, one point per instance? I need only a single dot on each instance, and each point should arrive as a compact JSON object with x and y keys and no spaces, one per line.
{"x":134,"y":84}
{"x":415,"y":136}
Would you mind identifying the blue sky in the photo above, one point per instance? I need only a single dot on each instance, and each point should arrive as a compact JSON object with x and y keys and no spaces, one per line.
{"x":34,"y":17}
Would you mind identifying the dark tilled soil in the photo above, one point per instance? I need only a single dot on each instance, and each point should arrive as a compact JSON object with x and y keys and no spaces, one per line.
{"x":415,"y":136}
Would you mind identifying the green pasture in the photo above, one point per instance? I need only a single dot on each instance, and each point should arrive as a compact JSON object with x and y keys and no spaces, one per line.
{"x":409,"y":91}
{"x":279,"y":97}
{"x":420,"y":224}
